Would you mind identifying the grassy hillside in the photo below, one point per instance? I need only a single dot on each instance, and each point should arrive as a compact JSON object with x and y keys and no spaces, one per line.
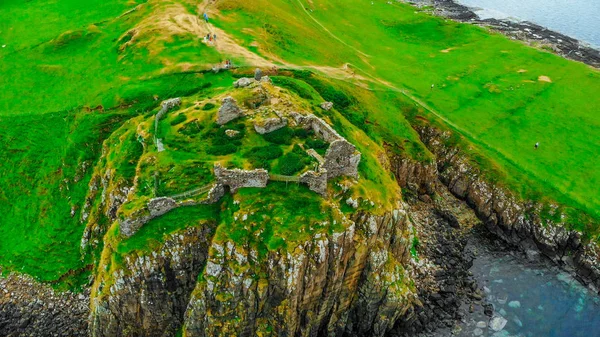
{"x":501,"y":95}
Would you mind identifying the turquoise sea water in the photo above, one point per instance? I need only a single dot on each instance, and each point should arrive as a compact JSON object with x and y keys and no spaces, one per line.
{"x":576,"y":18}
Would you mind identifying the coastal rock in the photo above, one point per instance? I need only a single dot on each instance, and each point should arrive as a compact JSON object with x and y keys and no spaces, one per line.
{"x":497,"y":323}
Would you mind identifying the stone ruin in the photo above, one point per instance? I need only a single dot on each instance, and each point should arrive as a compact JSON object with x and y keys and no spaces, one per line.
{"x":316,"y":181}
{"x":270,"y":124}
{"x":236,"y":178}
{"x":155,"y":208}
{"x":228,"y":111}
{"x":341,"y":159}
{"x":171,"y":103}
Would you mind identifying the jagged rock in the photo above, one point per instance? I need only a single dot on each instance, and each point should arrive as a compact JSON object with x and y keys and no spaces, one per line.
{"x":352,"y":202}
{"x":147,"y":295}
{"x":229,"y":111}
{"x":244,"y":82}
{"x":516,"y":222}
{"x":266,"y":79}
{"x":299,"y":292}
{"x":237,"y":178}
{"x":341,"y":158}
{"x":232,"y":133}
{"x":326,"y":106}
{"x":269,"y":125}
{"x":316,"y":181}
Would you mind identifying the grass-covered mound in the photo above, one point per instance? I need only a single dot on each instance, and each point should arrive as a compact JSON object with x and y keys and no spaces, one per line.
{"x":500,"y":95}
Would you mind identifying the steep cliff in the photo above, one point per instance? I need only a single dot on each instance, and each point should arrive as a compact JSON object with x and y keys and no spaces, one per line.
{"x":349,"y":279}
{"x":518,"y":222}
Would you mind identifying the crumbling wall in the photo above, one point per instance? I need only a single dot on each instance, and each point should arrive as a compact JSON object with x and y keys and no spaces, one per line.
{"x":269,"y":125}
{"x":155,"y":208}
{"x":165,"y":106}
{"x":237,"y":178}
{"x":316,"y":181}
{"x":341,"y":159}
{"x":229,"y":111}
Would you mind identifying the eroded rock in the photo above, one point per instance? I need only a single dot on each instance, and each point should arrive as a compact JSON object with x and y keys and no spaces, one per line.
{"x":229,"y":111}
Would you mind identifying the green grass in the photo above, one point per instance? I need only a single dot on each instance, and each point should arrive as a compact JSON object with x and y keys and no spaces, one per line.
{"x":42,"y":182}
{"x":479,"y":91}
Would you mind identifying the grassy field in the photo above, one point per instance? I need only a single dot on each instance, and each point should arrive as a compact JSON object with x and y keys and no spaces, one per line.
{"x":499,"y":94}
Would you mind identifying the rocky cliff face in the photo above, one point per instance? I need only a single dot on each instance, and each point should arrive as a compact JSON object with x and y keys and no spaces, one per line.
{"x":353,"y":282}
{"x":516,"y":221}
{"x":147,"y":294}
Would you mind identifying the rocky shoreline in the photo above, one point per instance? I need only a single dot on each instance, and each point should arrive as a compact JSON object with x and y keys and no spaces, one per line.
{"x":528,"y":32}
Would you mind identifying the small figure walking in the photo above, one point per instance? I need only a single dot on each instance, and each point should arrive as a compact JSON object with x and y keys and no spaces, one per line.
{"x":537,"y":145}
{"x":215,"y":37}
{"x":205,"y":17}
{"x":433,"y":85}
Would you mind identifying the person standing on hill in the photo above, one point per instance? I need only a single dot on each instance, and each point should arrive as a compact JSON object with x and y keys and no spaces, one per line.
{"x":537,"y":145}
{"x":206,"y":17}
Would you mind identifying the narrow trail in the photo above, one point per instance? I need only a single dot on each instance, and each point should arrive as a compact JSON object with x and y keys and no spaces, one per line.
{"x":329,"y":32}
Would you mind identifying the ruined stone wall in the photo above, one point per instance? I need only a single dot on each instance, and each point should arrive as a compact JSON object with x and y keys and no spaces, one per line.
{"x":316,"y":181}
{"x":155,"y":208}
{"x":237,"y":178}
{"x":269,"y":125}
{"x":341,"y":158}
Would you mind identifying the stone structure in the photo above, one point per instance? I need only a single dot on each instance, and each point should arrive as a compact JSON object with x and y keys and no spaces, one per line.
{"x":269,"y":125}
{"x":215,"y":194}
{"x":316,"y":181}
{"x":258,"y":74}
{"x":165,"y":106}
{"x":228,"y":111}
{"x":243,"y":82}
{"x":341,"y":159}
{"x":318,"y":126}
{"x":326,"y":106}
{"x":237,"y":178}
{"x":171,"y":103}
{"x":155,"y":208}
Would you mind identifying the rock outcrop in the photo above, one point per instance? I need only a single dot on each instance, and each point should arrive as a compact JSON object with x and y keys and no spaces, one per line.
{"x":229,"y":111}
{"x":349,"y":283}
{"x":147,"y":294}
{"x":236,"y":178}
{"x":517,"y":222}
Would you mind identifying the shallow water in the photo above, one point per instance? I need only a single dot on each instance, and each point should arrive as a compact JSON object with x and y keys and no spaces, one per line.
{"x":536,"y":299}
{"x":576,"y":18}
